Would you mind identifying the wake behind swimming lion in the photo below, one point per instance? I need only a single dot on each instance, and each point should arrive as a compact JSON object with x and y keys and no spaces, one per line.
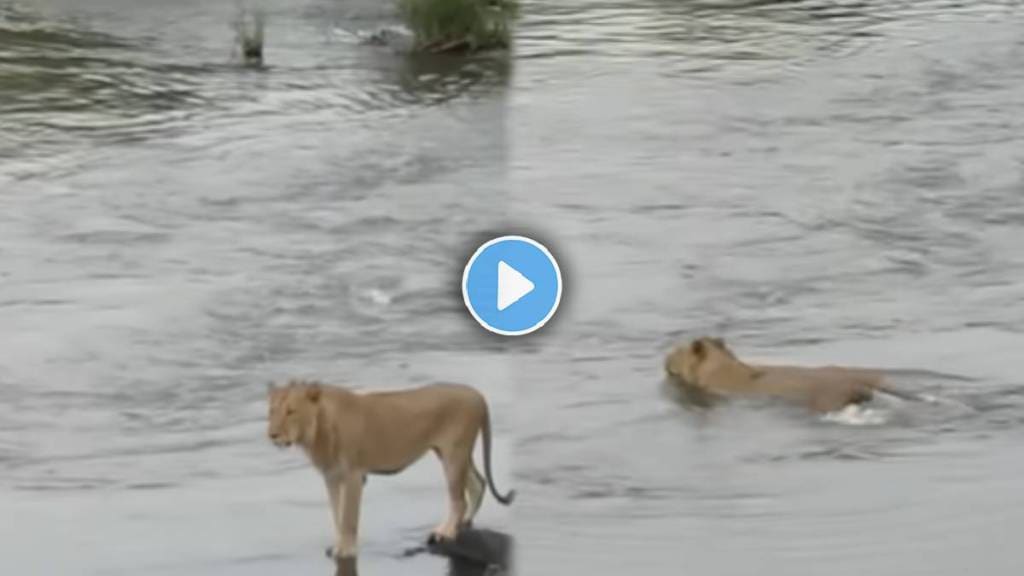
{"x":710,"y":367}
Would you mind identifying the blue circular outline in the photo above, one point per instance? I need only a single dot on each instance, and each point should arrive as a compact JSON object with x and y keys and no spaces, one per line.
{"x":465,"y":281}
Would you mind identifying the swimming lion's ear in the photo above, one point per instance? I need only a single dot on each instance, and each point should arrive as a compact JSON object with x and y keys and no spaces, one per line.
{"x":718,"y":342}
{"x":697,"y":347}
{"x":313,"y":393}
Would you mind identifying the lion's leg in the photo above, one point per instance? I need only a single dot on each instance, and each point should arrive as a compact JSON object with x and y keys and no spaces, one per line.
{"x":456,"y":468}
{"x":350,"y":500}
{"x":475,"y":489}
{"x":336,"y":493}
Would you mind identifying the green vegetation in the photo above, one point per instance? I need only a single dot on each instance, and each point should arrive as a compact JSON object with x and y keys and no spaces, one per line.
{"x":459,"y":25}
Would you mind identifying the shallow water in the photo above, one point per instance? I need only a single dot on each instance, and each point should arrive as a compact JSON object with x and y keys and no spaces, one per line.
{"x":825,"y":181}
{"x":176,"y":230}
{"x":816,"y":182}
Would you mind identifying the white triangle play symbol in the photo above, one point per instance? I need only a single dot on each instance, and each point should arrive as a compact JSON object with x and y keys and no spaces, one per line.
{"x":512,"y":285}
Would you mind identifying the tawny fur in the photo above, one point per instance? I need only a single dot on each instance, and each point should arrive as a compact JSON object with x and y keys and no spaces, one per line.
{"x":348,"y":435}
{"x":710,"y":366}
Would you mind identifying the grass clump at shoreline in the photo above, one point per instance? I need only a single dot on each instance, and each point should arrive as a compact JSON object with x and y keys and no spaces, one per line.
{"x":459,"y":25}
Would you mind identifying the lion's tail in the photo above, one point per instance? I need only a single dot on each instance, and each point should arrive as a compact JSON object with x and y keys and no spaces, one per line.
{"x":486,"y":431}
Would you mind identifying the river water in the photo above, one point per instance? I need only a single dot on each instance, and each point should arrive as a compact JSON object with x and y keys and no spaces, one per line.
{"x":176,"y":230}
{"x":820,"y":182}
{"x":817,"y":182}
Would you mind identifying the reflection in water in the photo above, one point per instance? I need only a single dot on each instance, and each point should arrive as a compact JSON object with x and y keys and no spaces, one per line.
{"x":346,"y":567}
{"x":436,"y":80}
{"x":477,"y":552}
{"x":688,"y":396}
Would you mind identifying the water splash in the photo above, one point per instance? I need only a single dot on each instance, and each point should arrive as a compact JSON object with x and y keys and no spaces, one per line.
{"x":856,"y":415}
{"x":378,"y":297}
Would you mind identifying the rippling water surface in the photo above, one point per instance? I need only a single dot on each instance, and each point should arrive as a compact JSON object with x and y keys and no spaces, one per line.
{"x":176,"y":230}
{"x":819,"y":182}
{"x":815,"y":181}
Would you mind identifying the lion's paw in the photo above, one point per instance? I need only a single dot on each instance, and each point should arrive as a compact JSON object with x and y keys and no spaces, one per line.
{"x":435,"y":538}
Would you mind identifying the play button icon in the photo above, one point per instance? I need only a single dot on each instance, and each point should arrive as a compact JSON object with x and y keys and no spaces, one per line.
{"x":512,"y":285}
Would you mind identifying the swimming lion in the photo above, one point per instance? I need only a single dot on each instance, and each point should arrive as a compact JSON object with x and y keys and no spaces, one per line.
{"x":348,"y":435}
{"x":708,"y":365}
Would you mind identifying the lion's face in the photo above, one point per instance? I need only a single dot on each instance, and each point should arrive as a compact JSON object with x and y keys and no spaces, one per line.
{"x":684,"y":362}
{"x":293,"y":413}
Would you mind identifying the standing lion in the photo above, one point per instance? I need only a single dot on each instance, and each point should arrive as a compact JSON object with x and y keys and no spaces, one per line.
{"x":348,"y":435}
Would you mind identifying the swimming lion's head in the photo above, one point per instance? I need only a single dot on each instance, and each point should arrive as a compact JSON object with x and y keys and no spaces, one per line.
{"x":685,"y":361}
{"x":294,"y":409}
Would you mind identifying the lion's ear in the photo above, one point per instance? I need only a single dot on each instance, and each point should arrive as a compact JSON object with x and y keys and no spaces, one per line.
{"x":718,"y":342}
{"x":698,"y":349}
{"x":313,"y":393}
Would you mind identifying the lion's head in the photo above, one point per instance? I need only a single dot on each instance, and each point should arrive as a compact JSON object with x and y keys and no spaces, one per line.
{"x":686,"y":362}
{"x":294,"y":409}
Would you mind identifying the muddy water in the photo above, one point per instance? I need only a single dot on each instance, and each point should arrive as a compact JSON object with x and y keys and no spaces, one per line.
{"x":819,"y":182}
{"x":176,"y":230}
